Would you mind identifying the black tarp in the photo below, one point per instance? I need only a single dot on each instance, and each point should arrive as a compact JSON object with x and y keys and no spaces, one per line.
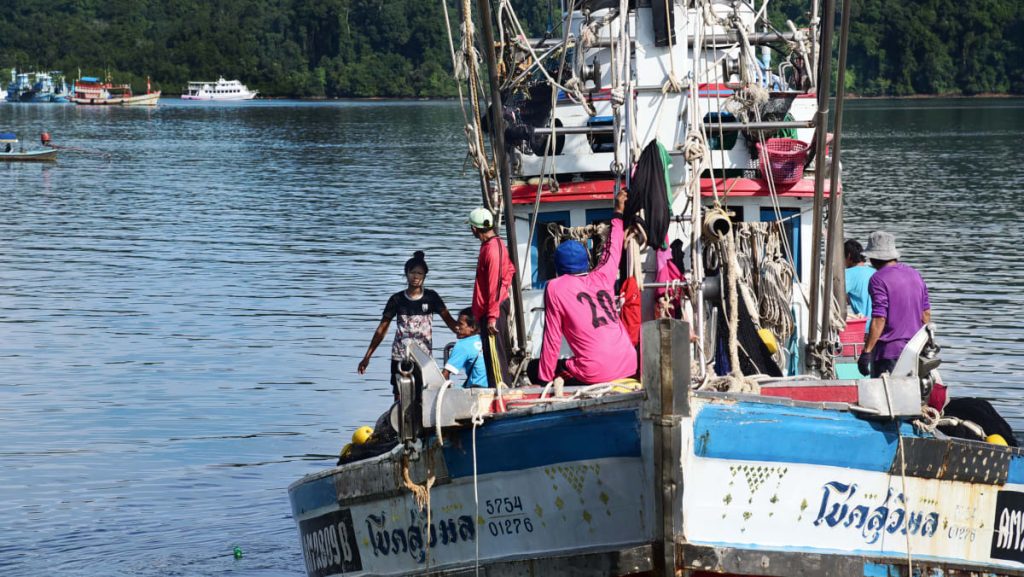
{"x":648,"y":193}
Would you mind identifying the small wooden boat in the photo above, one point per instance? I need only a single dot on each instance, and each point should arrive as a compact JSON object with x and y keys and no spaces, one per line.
{"x":8,"y":153}
{"x":91,"y":91}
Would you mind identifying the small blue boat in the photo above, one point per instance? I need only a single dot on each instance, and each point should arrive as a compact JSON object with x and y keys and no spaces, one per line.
{"x":37,"y":87}
{"x":11,"y":152}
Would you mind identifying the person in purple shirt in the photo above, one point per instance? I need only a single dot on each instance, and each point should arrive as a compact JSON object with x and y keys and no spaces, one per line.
{"x":899,"y":306}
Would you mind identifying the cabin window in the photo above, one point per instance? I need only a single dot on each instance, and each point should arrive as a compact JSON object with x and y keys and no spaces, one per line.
{"x":601,"y":142}
{"x":542,"y":247}
{"x":735,"y":213}
{"x":720,"y":139}
{"x":597,"y":215}
{"x":791,"y":225}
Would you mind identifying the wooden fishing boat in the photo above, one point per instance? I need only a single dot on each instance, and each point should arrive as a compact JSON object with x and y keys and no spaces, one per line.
{"x":9,"y":151}
{"x":750,"y":445}
{"x":91,"y":91}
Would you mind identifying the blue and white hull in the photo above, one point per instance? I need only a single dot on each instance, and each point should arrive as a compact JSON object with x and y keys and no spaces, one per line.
{"x":765,"y":485}
{"x":544,"y":486}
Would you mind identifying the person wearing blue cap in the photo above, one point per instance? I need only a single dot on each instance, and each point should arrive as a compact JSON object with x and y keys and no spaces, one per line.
{"x":580,"y":305}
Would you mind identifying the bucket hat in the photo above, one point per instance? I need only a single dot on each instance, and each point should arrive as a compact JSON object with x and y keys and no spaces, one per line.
{"x":481,"y":218}
{"x":881,"y":246}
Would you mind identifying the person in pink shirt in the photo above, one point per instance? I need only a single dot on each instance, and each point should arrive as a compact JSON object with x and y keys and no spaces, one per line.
{"x":580,"y":306}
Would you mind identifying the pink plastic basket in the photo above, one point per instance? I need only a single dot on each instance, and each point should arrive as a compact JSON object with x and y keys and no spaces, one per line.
{"x":786,"y":157}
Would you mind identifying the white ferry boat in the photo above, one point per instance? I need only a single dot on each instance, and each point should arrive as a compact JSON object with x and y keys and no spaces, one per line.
{"x":220,"y":90}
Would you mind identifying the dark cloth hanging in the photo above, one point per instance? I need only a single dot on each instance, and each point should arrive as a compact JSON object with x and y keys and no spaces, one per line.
{"x":755,"y":358}
{"x":977,"y":411}
{"x":649,"y":193}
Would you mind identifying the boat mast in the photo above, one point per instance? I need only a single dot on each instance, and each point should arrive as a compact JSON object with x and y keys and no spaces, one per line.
{"x":501,"y":159}
{"x":835,"y":206}
{"x":821,"y":133}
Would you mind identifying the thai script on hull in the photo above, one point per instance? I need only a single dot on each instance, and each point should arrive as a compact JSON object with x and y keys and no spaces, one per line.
{"x":409,"y":540}
{"x":842,"y":507}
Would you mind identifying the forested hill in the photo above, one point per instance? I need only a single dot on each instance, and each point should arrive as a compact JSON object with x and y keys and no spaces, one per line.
{"x":312,"y":48}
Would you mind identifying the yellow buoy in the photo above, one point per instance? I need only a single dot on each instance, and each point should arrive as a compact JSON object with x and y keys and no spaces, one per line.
{"x":346,"y":450}
{"x":361,"y":435}
{"x":997,"y":440}
{"x":769,"y":340}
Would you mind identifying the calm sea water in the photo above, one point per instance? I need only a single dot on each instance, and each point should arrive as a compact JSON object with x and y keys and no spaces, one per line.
{"x":184,"y":302}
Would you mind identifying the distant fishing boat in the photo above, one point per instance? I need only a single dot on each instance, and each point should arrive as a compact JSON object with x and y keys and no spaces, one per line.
{"x":9,"y":153}
{"x":220,"y":90}
{"x":37,"y":87}
{"x":90,"y":90}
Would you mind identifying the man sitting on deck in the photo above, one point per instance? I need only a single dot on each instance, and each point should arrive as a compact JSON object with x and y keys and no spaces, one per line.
{"x":581,"y":306}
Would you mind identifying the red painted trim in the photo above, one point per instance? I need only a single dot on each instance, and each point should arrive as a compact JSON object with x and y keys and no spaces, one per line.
{"x":818,"y":394}
{"x":707,"y":90}
{"x":604,"y":189}
{"x":748,"y":187}
{"x":567,"y":192}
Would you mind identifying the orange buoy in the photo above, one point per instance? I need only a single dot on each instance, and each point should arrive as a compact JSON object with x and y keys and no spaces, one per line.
{"x":44,"y":138}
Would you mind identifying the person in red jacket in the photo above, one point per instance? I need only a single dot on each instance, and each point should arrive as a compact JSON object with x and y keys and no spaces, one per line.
{"x":494,"y":273}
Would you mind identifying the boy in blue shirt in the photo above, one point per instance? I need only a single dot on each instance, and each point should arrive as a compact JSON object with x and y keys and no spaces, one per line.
{"x":858,"y":274}
{"x":468,"y":354}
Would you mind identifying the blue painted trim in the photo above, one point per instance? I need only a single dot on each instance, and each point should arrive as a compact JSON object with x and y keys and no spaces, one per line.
{"x":313,"y":495}
{"x":876,"y":570}
{"x":545,"y":439}
{"x":1016,"y":474}
{"x":777,"y":433}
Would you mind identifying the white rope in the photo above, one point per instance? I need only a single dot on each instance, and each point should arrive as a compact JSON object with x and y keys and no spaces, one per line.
{"x":760,"y":257}
{"x":672,"y":84}
{"x":737,"y":382}
{"x":573,"y":88}
{"x":549,"y":149}
{"x":477,"y":420}
{"x":462,"y":70}
{"x":903,"y":480}
{"x":437,"y":410}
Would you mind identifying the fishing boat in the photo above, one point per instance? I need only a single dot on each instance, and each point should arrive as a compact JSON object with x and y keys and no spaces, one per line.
{"x":37,"y":87}
{"x":10,"y":151}
{"x":750,"y":443}
{"x":220,"y":90}
{"x":91,"y":91}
